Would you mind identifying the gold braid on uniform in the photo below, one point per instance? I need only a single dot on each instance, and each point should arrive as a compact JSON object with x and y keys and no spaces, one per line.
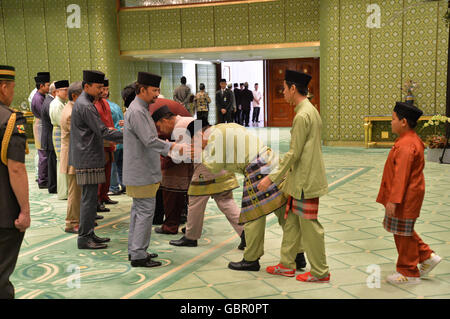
{"x":7,"y":137}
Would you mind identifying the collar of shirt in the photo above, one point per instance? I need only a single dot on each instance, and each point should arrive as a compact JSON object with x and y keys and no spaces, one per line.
{"x":300,"y":105}
{"x":141,"y":102}
{"x":88,"y":96}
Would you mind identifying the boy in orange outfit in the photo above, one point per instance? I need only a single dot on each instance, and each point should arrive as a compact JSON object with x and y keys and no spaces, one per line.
{"x":402,"y":191}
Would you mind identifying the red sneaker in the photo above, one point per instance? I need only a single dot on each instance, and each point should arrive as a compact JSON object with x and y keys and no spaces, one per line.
{"x":307,"y":277}
{"x":281,"y":270}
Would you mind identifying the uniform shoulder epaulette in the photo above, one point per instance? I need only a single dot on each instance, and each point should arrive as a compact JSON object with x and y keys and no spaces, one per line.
{"x":9,"y":132}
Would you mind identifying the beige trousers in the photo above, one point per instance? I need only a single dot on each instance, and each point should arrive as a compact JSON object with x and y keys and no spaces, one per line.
{"x":73,"y":202}
{"x":196,"y":213}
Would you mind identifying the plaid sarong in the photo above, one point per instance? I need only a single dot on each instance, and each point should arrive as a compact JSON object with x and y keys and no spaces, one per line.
{"x":305,"y":208}
{"x":399,"y":226}
{"x":254,"y":202}
{"x":90,"y":176}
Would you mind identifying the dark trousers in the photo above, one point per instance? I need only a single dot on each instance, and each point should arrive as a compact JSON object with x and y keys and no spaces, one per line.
{"x":245,"y":117}
{"x":10,"y":242}
{"x":238,"y":116}
{"x":88,"y":211}
{"x":42,"y":168}
{"x":52,"y":177}
{"x":202,"y":115}
{"x":103,"y":189}
{"x":255,"y":115}
{"x":174,"y":203}
{"x":158,"y":218}
{"x":225,"y":118}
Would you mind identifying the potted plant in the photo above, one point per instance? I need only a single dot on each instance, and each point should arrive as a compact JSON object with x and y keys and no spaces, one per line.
{"x":437,"y":142}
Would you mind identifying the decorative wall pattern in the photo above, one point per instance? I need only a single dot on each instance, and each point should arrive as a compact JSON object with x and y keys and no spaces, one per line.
{"x":222,"y":25}
{"x":370,"y":65}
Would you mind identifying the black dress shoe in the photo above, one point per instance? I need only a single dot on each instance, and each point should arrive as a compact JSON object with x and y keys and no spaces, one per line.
{"x":183,"y":230}
{"x":146,"y":262}
{"x":243,"y":243}
{"x":160,"y":230}
{"x":43,"y":186}
{"x":183,"y":241}
{"x":300,"y":261}
{"x":245,"y":265}
{"x":99,"y":217}
{"x":102,"y":209}
{"x":91,"y":244}
{"x":152,"y":255}
{"x":109,"y":201}
{"x":100,"y":240}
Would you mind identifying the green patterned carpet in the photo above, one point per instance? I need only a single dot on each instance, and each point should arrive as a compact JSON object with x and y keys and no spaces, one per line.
{"x":49,"y":260}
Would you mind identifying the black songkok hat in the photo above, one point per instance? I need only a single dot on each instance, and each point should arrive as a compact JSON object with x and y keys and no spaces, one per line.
{"x":90,"y":76}
{"x":160,"y":113}
{"x":149,"y":79}
{"x":408,"y":111}
{"x":299,"y":78}
{"x":106,"y":82}
{"x":42,"y":77}
{"x":7,"y":73}
{"x":62,"y":84}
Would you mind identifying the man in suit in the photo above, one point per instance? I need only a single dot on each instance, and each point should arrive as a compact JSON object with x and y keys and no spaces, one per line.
{"x":246,"y":100}
{"x":224,"y":103}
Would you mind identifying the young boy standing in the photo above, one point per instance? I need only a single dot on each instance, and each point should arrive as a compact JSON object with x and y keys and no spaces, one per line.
{"x":402,"y":191}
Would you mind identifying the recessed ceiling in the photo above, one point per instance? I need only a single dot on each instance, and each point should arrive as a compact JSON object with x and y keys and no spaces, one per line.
{"x":232,"y":54}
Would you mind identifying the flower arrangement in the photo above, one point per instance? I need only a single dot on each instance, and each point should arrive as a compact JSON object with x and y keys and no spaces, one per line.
{"x":437,"y":140}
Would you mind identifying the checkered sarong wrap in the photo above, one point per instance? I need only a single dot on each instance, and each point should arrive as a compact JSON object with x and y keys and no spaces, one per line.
{"x":398,"y":226}
{"x":305,"y":208}
{"x":256,"y":203}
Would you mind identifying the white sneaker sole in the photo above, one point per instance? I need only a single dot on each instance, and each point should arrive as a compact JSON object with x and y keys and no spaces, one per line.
{"x":430,"y":268}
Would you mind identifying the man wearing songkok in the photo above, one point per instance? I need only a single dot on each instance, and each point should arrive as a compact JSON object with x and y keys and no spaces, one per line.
{"x":204,"y":185}
{"x":104,"y":111}
{"x":166,"y":162}
{"x":402,"y":192}
{"x":55,"y":111}
{"x":14,"y":200}
{"x":305,"y":182}
{"x":74,"y":191}
{"x":47,"y":140}
{"x":233,"y":148}
{"x":43,"y":86}
{"x":176,"y":176}
{"x":86,"y":154}
{"x":142,"y":168}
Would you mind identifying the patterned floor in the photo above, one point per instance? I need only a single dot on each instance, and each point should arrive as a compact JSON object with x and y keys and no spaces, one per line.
{"x":50,"y":265}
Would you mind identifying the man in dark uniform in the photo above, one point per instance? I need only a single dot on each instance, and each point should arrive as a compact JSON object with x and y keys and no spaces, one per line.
{"x":86,"y":154}
{"x":246,"y":100}
{"x":47,"y":140}
{"x":224,"y":103}
{"x":14,"y":203}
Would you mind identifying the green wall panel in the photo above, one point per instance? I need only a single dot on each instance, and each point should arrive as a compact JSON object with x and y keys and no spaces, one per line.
{"x":35,"y":32}
{"x":79,"y":43}
{"x":231,"y":25}
{"x":16,"y":51}
{"x":330,"y":68}
{"x":165,"y":29}
{"x":197,"y":26}
{"x":206,"y":74}
{"x":266,"y":22}
{"x":419,"y":52}
{"x":57,"y":44}
{"x":354,"y":69}
{"x":386,"y":59}
{"x":442,"y":60}
{"x":134,"y":30}
{"x":302,"y":20}
{"x":3,"y":57}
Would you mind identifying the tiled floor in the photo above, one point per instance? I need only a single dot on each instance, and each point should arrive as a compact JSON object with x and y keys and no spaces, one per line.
{"x":355,"y":239}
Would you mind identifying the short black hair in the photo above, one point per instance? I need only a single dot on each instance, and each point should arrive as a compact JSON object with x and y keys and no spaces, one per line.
{"x":300,"y":88}
{"x":411,"y":123}
{"x":183,"y":80}
{"x":192,"y":128}
{"x":139,"y":86}
{"x":38,"y":85}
